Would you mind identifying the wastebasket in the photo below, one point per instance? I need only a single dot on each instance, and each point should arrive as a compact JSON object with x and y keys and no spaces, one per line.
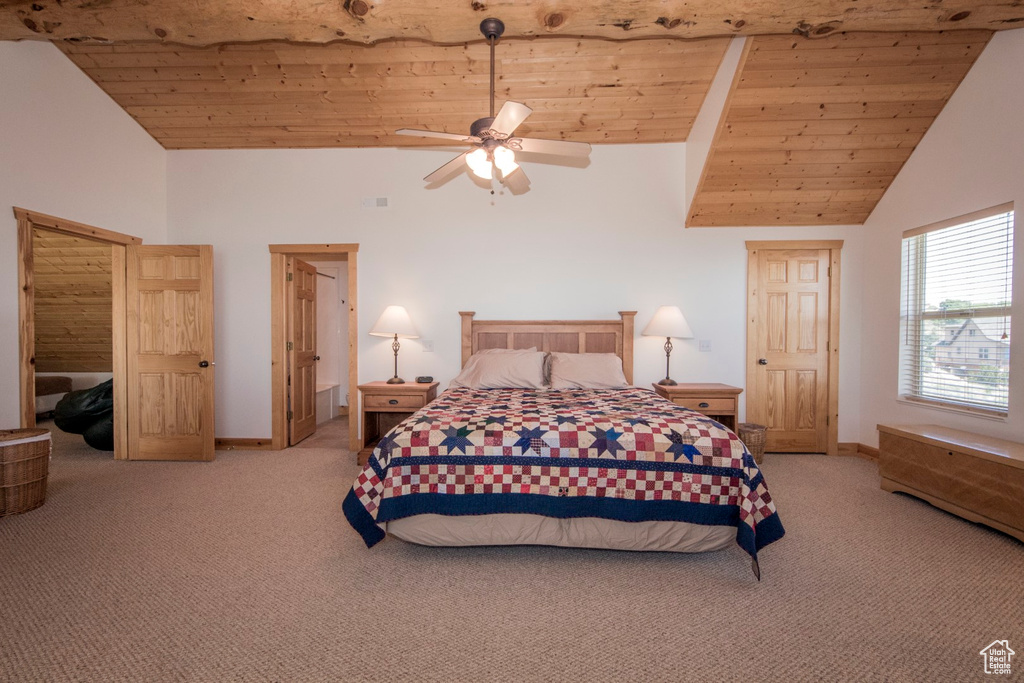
{"x":24,"y":465}
{"x":754,"y":436}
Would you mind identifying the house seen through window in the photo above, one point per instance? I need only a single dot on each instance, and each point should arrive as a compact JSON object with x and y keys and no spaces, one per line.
{"x":955,"y":312}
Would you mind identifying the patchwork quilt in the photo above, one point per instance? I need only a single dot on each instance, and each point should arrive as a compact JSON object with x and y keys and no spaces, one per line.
{"x":624,"y":454}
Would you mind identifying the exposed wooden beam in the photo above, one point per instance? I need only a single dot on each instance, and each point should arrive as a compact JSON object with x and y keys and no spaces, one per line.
{"x":448,"y":22}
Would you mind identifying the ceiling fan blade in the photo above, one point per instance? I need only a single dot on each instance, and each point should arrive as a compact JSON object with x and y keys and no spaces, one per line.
{"x":516,"y":181}
{"x":560,"y":147}
{"x":448,"y":169}
{"x":434,"y":134}
{"x":509,"y":117}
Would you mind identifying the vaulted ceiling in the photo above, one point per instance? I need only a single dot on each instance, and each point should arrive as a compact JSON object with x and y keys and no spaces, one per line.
{"x":829,"y":100}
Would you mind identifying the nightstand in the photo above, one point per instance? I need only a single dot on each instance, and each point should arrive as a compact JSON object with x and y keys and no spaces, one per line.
{"x":384,"y":405}
{"x":718,"y":401}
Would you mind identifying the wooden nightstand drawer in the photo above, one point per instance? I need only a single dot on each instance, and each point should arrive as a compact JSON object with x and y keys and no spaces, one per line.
{"x":701,"y":405}
{"x":386,"y":405}
{"x":718,"y":401}
{"x":403,"y":402}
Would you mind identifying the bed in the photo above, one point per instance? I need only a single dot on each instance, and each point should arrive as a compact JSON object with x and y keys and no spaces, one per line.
{"x":553,"y":463}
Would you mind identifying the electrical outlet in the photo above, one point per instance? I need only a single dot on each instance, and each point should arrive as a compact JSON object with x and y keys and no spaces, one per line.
{"x":705,"y":344}
{"x":428,"y":345}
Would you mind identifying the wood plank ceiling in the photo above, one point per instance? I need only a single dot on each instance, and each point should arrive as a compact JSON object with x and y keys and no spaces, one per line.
{"x":339,"y":95}
{"x":814,"y":131}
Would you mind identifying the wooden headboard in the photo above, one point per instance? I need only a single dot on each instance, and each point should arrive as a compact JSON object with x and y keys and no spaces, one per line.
{"x":566,"y":336}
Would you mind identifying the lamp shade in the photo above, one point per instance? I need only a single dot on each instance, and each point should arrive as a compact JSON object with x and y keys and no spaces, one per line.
{"x":394,"y":321}
{"x":668,"y":321}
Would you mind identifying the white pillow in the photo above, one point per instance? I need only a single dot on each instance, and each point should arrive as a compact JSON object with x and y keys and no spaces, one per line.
{"x":502,"y":369}
{"x":587,"y":371}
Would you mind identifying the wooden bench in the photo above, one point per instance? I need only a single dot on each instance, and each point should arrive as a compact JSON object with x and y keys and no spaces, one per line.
{"x":976,"y":477}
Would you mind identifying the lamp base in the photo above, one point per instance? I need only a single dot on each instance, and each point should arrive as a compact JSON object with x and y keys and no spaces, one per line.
{"x":399,"y":380}
{"x":668,"y":382}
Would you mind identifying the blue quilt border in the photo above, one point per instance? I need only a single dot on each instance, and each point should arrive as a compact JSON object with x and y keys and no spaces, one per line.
{"x":768,"y":530}
{"x":361,"y":520}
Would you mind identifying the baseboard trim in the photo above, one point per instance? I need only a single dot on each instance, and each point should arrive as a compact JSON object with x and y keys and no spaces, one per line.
{"x":243,"y":444}
{"x":867,"y":452}
{"x":858,"y":450}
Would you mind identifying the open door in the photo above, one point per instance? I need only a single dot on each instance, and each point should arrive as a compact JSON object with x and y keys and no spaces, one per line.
{"x":301,"y":343}
{"x":170,"y":352}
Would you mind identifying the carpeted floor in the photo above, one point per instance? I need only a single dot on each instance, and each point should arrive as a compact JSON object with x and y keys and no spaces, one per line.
{"x":245,"y":570}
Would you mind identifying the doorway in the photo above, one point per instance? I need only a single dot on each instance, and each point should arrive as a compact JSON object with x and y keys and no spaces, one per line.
{"x":73,"y":315}
{"x":792,"y":343}
{"x":334,"y":348}
{"x":332,"y":395}
{"x":161,"y":339}
{"x":59,"y":232}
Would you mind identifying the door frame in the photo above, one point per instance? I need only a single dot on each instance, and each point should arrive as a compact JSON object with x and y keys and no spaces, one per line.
{"x":279,"y":326}
{"x":27,"y":221}
{"x":835,"y":249}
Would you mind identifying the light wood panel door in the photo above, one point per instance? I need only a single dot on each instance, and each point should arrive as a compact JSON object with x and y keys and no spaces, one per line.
{"x":170,"y":352}
{"x":789,"y":333}
{"x":302,"y":355}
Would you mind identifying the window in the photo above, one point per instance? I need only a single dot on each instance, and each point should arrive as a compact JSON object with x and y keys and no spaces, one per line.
{"x":955,"y":312}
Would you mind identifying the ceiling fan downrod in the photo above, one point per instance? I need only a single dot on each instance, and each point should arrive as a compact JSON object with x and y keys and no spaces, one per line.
{"x":492,"y":29}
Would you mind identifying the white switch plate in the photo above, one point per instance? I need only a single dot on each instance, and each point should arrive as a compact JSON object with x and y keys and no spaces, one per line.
{"x":428,"y":345}
{"x":705,"y":344}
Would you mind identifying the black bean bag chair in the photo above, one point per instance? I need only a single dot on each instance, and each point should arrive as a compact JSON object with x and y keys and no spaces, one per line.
{"x":101,"y":435}
{"x":89,"y":412}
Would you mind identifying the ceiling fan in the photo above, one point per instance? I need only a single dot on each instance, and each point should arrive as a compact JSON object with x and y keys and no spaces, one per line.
{"x":492,"y":137}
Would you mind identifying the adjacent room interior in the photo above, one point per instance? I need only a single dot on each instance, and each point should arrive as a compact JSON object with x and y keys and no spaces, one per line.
{"x":423,"y":321}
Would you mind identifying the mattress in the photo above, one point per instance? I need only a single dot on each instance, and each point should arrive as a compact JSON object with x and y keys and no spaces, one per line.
{"x":615,"y":468}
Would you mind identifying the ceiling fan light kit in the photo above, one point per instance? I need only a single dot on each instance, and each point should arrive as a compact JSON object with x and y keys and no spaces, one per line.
{"x":492,"y":139}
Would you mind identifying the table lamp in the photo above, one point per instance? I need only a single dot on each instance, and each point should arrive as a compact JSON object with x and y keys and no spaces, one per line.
{"x":668,"y":322}
{"x":394,"y":321}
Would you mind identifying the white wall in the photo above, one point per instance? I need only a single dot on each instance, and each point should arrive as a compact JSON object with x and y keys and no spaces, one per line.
{"x":583,"y":243}
{"x":66,"y":149}
{"x":971,"y":158}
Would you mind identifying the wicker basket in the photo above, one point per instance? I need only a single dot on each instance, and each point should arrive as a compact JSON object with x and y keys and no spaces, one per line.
{"x":24,"y":463}
{"x":754,"y":436}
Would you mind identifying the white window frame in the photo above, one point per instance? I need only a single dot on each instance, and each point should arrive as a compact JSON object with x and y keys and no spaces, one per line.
{"x":912,"y":299}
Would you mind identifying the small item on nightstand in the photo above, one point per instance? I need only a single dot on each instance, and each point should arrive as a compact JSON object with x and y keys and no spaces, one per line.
{"x":424,"y":379}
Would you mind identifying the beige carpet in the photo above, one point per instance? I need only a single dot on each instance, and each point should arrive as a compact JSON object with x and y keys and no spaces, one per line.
{"x":245,"y":570}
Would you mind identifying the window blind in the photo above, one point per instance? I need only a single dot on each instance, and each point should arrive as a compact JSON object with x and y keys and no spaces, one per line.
{"x":955,"y":312}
